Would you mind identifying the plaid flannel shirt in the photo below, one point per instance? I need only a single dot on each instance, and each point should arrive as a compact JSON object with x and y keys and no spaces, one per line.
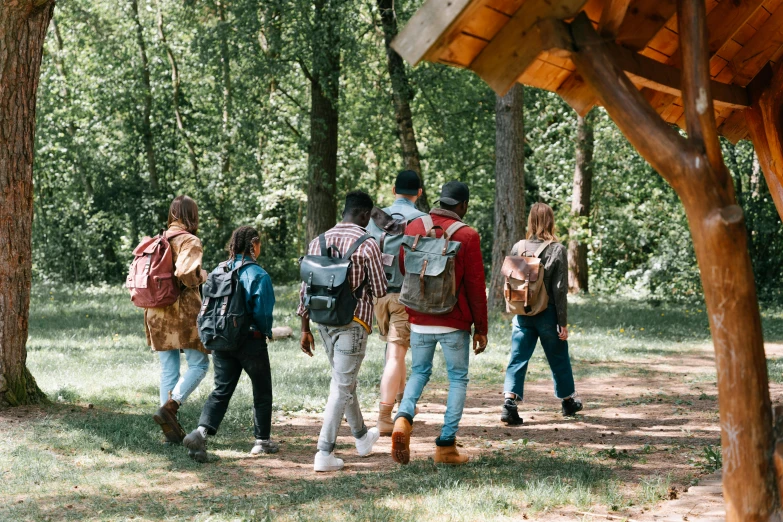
{"x":366,"y":263}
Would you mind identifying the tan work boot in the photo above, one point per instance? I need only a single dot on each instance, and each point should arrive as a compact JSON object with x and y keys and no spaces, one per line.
{"x":401,"y":440}
{"x":385,"y":423}
{"x":449,"y":455}
{"x":166,"y":417}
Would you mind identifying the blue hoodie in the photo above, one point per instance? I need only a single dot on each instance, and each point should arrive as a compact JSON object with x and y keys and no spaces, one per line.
{"x":259,"y":294}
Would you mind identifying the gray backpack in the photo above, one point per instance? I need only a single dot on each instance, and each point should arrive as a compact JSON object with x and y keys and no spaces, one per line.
{"x":388,"y":231}
{"x":429,"y":285}
{"x":329,"y":298}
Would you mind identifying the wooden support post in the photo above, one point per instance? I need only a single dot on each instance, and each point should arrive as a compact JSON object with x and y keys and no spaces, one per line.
{"x":695,"y":168}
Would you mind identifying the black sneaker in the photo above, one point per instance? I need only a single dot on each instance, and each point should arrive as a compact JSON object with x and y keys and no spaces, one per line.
{"x":571,"y":406}
{"x":510,"y":413}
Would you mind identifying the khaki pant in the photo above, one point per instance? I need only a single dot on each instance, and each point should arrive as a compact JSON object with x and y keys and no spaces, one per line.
{"x":392,"y":320}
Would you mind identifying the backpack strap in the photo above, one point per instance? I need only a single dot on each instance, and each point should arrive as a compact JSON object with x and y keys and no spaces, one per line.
{"x":426,"y":220}
{"x":453,"y":228}
{"x":542,"y":248}
{"x":322,"y":243}
{"x":356,"y":245}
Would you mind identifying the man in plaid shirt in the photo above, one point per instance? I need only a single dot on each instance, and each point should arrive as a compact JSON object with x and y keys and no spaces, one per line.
{"x":346,"y":345}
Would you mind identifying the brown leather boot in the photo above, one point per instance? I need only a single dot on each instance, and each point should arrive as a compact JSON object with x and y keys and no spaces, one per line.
{"x":401,"y":440}
{"x":448,"y":454}
{"x":166,"y":417}
{"x":385,"y":423}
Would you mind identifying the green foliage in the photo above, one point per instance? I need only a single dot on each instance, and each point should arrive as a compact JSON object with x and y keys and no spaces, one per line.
{"x":93,"y":199}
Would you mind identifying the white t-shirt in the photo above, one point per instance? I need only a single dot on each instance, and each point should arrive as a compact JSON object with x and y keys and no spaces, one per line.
{"x":427,"y":329}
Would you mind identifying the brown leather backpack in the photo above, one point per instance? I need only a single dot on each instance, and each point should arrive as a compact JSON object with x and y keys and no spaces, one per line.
{"x":151,"y":279}
{"x":524,"y":286}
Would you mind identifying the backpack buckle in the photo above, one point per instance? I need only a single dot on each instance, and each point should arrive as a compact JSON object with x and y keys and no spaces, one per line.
{"x":331,"y":282}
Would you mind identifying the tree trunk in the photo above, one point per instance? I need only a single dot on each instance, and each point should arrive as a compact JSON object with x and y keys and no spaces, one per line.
{"x":324,"y":120}
{"x":23,"y":27}
{"x":225,"y":67}
{"x":510,"y":209}
{"x":175,"y":86}
{"x":146,"y":126}
{"x":402,"y":95}
{"x":580,"y":206}
{"x":695,"y":169}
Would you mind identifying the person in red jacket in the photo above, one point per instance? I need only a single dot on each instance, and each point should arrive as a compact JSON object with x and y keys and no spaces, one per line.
{"x":451,"y":330}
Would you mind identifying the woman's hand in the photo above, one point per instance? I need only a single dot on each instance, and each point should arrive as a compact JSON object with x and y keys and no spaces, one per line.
{"x":562,"y":333}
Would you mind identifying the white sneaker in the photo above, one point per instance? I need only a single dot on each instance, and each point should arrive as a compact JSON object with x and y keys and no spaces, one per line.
{"x":327,"y":462}
{"x":364,"y":445}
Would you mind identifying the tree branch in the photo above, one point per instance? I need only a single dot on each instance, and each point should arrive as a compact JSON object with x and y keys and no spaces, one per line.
{"x":696,"y":92}
{"x":658,"y":143}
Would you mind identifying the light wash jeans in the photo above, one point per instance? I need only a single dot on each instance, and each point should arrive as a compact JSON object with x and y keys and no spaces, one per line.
{"x":345,"y":349}
{"x":456,"y":351}
{"x":170,"y":380}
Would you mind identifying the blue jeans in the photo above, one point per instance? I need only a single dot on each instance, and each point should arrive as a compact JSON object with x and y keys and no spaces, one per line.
{"x":526,"y":332}
{"x":456,"y":351}
{"x":170,"y":380}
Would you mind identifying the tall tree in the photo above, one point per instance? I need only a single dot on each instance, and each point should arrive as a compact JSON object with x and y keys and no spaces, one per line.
{"x":510,"y":209}
{"x":402,"y":95}
{"x":324,"y":78}
{"x":580,"y":205}
{"x":23,"y":26}
{"x":146,"y":126}
{"x":175,"y":94}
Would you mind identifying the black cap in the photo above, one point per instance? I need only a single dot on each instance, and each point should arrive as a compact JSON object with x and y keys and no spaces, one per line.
{"x":408,"y":183}
{"x":454,"y":193}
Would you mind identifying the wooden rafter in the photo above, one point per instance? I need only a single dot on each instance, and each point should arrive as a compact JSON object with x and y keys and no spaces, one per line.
{"x":612,"y":17}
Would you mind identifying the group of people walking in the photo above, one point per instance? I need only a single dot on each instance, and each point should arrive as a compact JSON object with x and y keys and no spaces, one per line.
{"x":354,"y":272}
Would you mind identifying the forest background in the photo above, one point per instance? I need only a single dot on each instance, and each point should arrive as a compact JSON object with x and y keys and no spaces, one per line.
{"x":267,"y":111}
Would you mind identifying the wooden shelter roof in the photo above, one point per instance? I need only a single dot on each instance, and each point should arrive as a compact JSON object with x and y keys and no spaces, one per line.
{"x":507,"y":41}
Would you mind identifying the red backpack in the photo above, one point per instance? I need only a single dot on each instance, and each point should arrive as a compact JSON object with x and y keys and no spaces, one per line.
{"x":151,"y":278}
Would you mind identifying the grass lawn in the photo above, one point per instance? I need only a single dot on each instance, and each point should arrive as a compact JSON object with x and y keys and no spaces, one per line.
{"x":648,"y":431}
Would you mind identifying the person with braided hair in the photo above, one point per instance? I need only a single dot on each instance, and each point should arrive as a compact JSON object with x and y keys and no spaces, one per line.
{"x":252,"y":356}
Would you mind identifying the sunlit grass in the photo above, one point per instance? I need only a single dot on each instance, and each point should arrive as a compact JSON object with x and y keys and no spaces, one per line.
{"x":106,"y":462}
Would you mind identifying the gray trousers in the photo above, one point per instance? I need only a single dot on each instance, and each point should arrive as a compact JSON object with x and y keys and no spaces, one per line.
{"x":345,"y":349}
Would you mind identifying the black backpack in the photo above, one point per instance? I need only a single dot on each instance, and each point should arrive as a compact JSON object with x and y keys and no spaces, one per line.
{"x":223,"y":322}
{"x":328,"y":294}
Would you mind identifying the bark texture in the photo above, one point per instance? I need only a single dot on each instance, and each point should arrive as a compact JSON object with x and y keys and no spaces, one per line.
{"x":580,"y":206}
{"x":695,"y":169}
{"x":146,"y":116}
{"x":510,"y":211}
{"x":324,"y":119}
{"x":402,"y":95}
{"x":23,"y":27}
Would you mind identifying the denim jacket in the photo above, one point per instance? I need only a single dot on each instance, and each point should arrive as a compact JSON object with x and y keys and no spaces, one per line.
{"x":259,"y":294}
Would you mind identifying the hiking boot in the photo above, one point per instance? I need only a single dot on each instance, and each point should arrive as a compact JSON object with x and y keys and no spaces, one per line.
{"x":267,"y":446}
{"x":365,"y":443}
{"x":401,"y":440}
{"x":446,"y":453}
{"x":166,"y":417}
{"x":571,"y":406}
{"x":510,"y":413}
{"x":327,"y":462}
{"x":197,"y":446}
{"x":385,"y":423}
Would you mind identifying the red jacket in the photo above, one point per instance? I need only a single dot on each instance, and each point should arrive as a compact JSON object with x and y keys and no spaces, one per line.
{"x":469,"y":272}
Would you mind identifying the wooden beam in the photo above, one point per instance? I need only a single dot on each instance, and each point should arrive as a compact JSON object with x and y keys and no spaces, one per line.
{"x":531,"y":30}
{"x":612,"y":18}
{"x":428,"y":26}
{"x":659,"y":76}
{"x":758,"y":50}
{"x":734,"y":128}
{"x":578,"y":94}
